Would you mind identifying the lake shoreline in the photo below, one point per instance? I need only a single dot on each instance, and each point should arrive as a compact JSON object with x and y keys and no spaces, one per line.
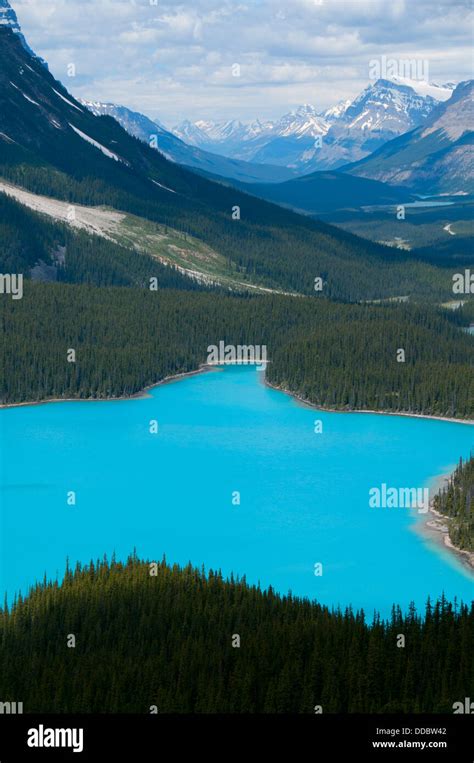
{"x":434,"y":526}
{"x":205,"y":368}
{"x":309,"y":404}
{"x":141,"y":395}
{"x":437,"y":529}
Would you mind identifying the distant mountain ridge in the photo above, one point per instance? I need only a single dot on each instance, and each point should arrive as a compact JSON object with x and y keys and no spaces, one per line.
{"x":306,"y":140}
{"x":248,"y":139}
{"x":177,"y":150}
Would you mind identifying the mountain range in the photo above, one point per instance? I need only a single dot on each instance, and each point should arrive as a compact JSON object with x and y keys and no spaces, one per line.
{"x":306,"y":140}
{"x":435,"y":158}
{"x":56,"y":145}
{"x":56,"y":149}
{"x":364,"y":132}
{"x":177,"y":150}
{"x":396,"y":131}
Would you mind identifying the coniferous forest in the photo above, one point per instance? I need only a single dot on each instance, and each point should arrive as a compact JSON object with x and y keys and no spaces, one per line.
{"x":155,"y":638}
{"x":334,"y":355}
{"x":456,"y":501}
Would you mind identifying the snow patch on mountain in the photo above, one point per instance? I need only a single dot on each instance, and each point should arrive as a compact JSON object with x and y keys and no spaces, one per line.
{"x":24,"y":94}
{"x":66,"y":100}
{"x":337,"y":111}
{"x":105,"y":151}
{"x":431,"y":89}
{"x":162,"y":186}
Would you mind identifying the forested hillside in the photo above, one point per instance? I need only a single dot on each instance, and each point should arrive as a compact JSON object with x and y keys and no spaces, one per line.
{"x":456,"y":501}
{"x":167,"y":643}
{"x":75,"y":256}
{"x":362,"y":356}
{"x":335,"y":355}
{"x":324,"y":191}
{"x":25,"y":239}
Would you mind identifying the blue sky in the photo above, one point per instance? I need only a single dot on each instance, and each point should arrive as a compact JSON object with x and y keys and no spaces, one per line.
{"x":173,"y":60}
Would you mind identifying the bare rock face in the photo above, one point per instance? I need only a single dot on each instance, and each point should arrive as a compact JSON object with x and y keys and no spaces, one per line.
{"x":8,"y":18}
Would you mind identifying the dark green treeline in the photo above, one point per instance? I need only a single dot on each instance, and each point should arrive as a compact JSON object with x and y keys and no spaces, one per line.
{"x":167,"y":640}
{"x":335,"y":355}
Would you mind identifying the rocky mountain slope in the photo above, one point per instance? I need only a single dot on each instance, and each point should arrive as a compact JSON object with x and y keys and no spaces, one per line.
{"x":8,"y":18}
{"x":437,"y":157}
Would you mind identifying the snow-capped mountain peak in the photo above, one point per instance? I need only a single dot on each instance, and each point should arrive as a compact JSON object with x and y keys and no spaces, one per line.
{"x":8,"y":16}
{"x":303,"y":121}
{"x":220,"y":131}
{"x":436,"y":156}
{"x":258,"y":128}
{"x":204,"y":133}
{"x":387,"y":105}
{"x":337,"y":111}
{"x":431,"y":89}
{"x":191,"y":133}
{"x":305,"y":139}
{"x":305,"y":110}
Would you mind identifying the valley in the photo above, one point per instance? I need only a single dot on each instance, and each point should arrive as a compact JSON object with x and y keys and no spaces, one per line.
{"x":425,"y":230}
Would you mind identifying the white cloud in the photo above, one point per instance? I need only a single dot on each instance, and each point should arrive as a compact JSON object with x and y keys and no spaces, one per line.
{"x":173,"y":60}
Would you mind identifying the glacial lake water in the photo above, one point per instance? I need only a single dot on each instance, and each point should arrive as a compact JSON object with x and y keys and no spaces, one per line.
{"x":304,"y":496}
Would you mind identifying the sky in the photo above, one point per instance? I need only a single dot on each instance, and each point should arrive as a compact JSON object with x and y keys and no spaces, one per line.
{"x":226,"y":59}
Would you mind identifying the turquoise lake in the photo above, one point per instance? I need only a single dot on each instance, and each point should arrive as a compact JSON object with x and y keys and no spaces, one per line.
{"x":304,"y":496}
